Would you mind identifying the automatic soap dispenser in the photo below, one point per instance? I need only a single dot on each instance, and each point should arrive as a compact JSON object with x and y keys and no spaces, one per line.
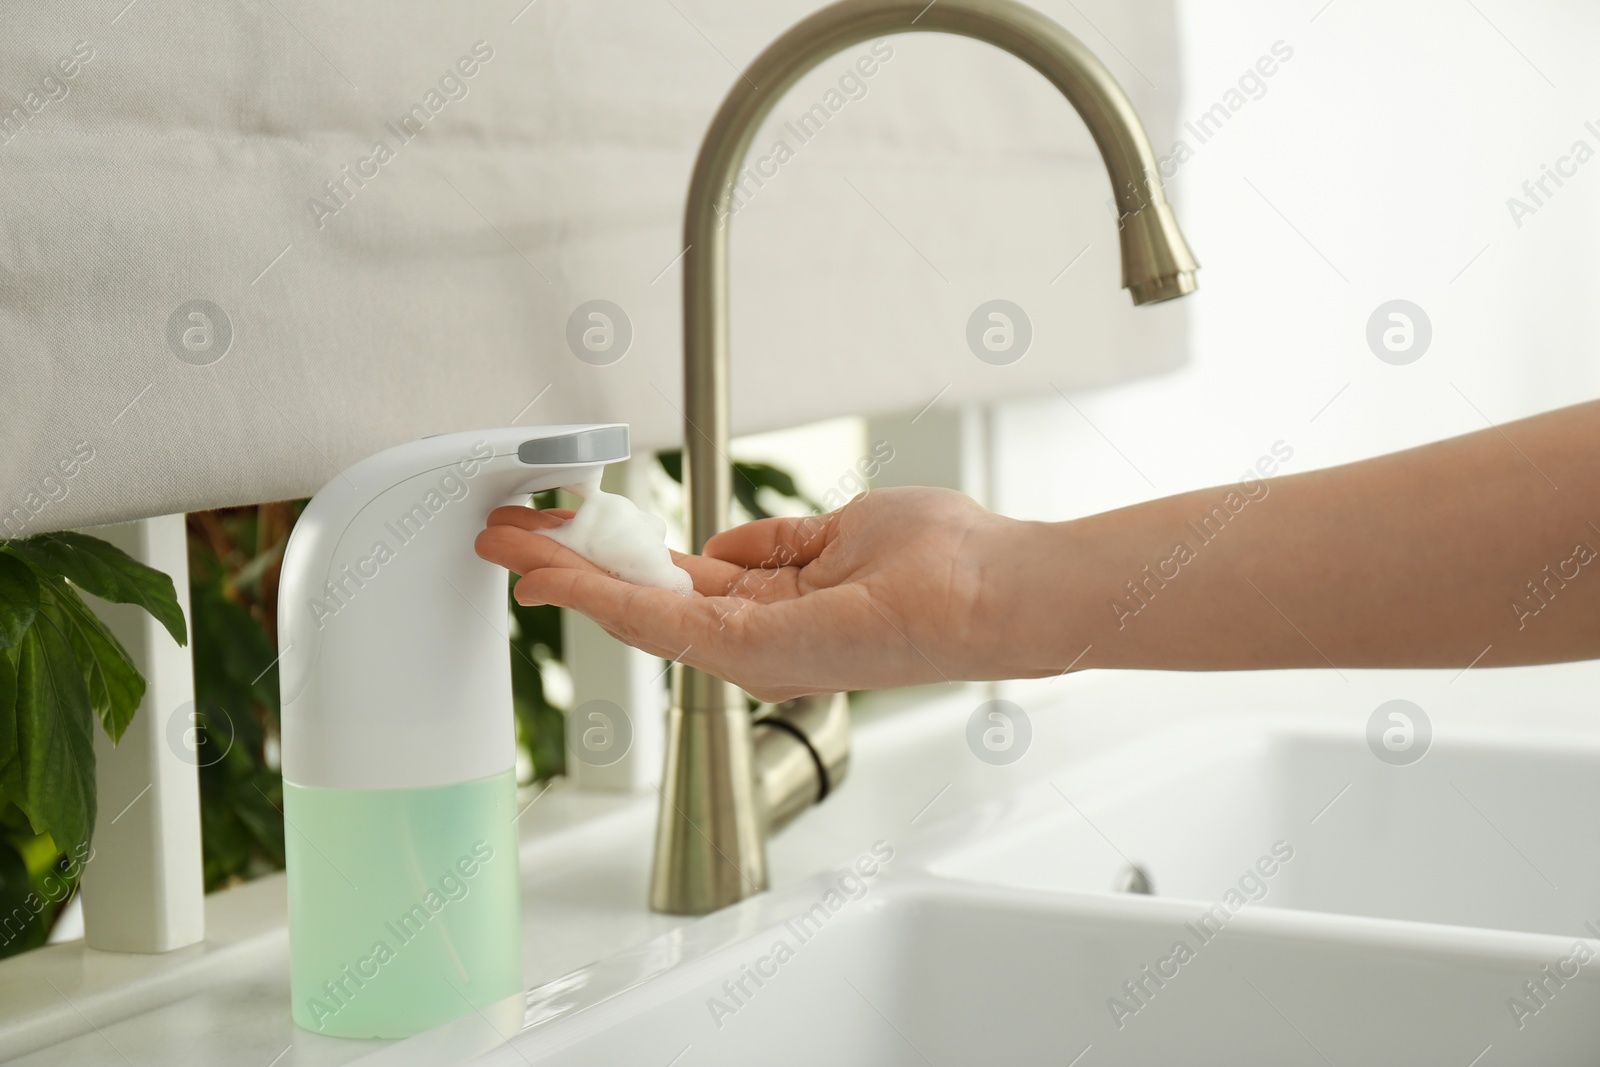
{"x":398,"y":739}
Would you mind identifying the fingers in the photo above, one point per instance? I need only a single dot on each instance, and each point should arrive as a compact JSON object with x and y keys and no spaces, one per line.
{"x":693,"y":630}
{"x":513,"y":540}
{"x":712,"y":577}
{"x":523,"y":550}
{"x":781,"y":542}
{"x":657,"y":620}
{"x":529,"y":518}
{"x":725,"y":636}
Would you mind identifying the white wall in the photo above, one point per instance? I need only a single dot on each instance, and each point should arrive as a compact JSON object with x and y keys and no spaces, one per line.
{"x":1390,"y":140}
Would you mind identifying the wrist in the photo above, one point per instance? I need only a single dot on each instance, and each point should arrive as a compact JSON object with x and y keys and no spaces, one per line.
{"x":1030,"y":620}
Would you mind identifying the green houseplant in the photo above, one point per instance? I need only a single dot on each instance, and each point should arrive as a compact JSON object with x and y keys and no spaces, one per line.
{"x":60,"y":670}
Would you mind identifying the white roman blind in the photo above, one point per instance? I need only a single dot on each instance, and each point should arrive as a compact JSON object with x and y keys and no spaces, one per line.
{"x":243,"y":245}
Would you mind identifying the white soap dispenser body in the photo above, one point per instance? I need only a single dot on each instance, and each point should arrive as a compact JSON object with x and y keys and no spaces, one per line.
{"x":398,"y":738}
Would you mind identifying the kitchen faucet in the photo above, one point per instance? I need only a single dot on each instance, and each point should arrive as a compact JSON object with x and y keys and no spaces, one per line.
{"x":730,"y":779}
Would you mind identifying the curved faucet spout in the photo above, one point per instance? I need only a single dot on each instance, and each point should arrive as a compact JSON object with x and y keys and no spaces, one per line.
{"x":1156,"y":261}
{"x":709,"y":850}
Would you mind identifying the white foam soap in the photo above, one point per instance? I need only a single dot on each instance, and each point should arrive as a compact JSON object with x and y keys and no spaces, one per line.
{"x":614,"y":535}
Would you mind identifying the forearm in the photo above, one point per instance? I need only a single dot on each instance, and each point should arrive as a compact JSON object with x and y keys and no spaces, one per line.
{"x":1481,"y":548}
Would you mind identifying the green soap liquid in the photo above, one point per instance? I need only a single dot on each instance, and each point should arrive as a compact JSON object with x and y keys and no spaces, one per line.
{"x":404,"y":906}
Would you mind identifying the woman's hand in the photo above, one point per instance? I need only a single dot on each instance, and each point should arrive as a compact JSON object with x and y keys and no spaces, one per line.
{"x":1478,"y":551}
{"x":898,"y":587}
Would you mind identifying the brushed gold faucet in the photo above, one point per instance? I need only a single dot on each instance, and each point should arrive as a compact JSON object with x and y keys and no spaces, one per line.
{"x":730,"y":779}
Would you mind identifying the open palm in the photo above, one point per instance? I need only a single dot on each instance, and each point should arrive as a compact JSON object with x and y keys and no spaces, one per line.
{"x":885,"y":591}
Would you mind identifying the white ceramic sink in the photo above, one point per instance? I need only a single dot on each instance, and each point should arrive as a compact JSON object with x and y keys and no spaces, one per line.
{"x":922,"y":971}
{"x":1485,"y":831}
{"x":1395,"y":915}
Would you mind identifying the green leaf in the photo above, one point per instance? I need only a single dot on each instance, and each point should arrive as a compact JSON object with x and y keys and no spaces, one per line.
{"x":672,"y":462}
{"x":8,"y":712}
{"x":259,"y":814}
{"x":750,"y":478}
{"x":55,"y":731}
{"x":766,"y":475}
{"x":15,"y":886}
{"x":748,"y":481}
{"x":235,"y":666}
{"x":11,"y":778}
{"x":19,"y":599}
{"x":107,"y":572}
{"x":115,"y":685}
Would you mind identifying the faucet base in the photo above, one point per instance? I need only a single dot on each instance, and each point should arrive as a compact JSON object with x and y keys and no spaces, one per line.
{"x":710,"y":850}
{"x":802,"y":754}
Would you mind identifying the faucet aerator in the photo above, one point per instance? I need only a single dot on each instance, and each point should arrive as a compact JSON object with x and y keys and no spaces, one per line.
{"x":1166,"y":287}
